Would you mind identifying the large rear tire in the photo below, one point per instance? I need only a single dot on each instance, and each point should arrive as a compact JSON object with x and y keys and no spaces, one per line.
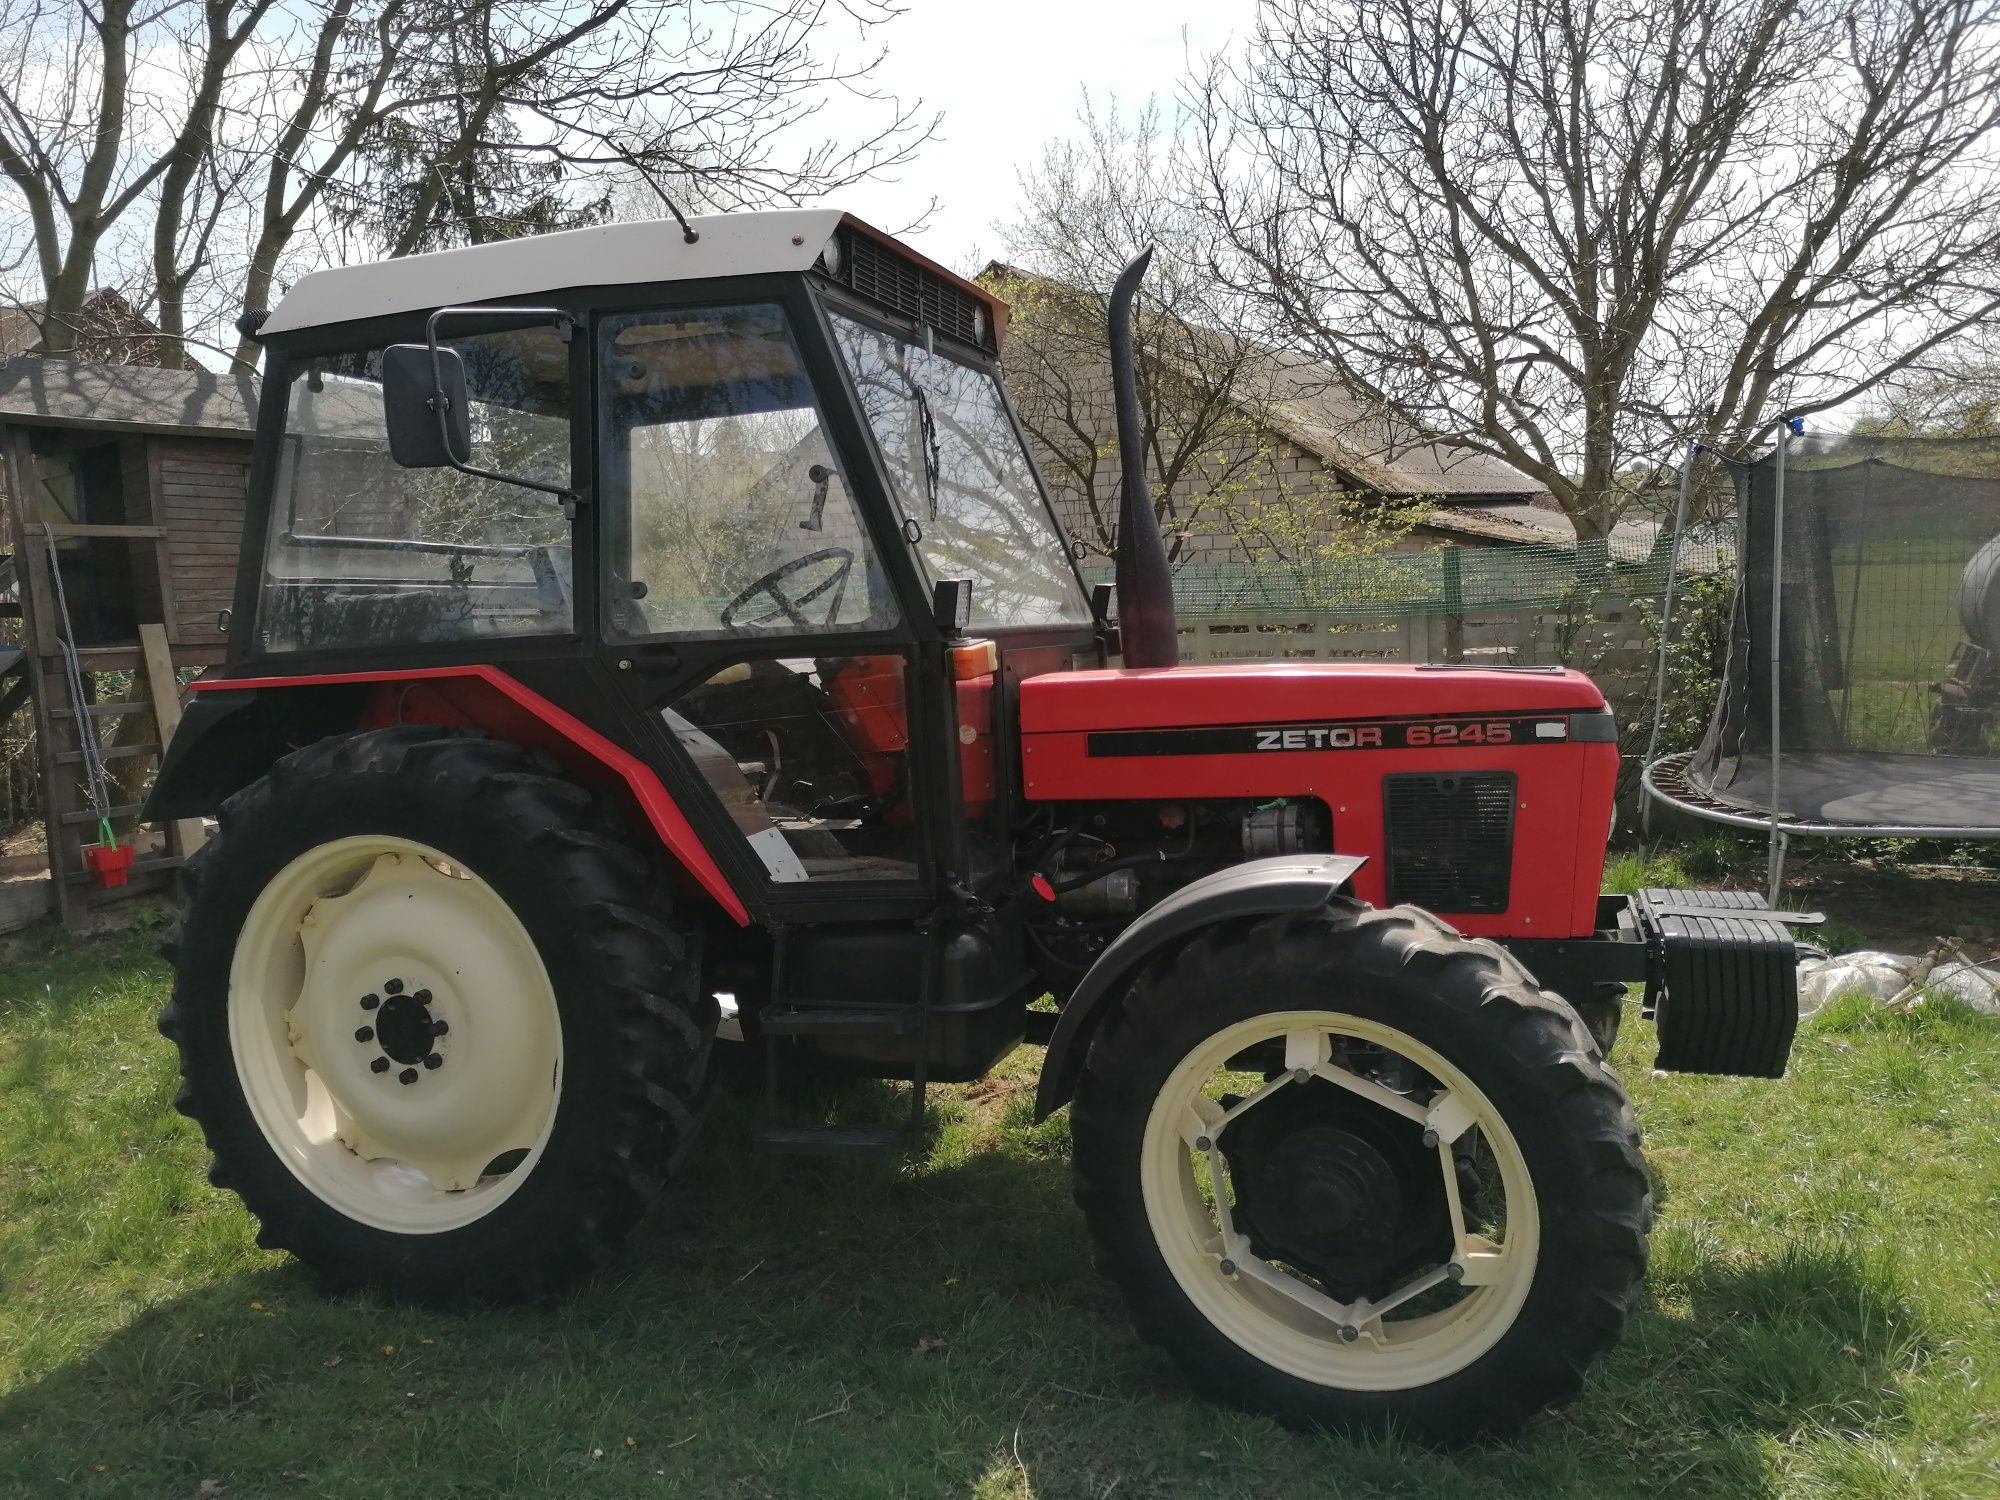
{"x":433,"y":1020}
{"x":1354,"y":1171}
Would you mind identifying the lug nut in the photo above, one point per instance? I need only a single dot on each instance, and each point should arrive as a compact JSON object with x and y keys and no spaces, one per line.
{"x":1454,"y":1271}
{"x":369,"y":1002}
{"x":434,"y":1061}
{"x":1431,"y":1139}
{"x":439,"y":1028}
{"x":364,"y":1033}
{"x":408,"y":1075}
{"x":1227,"y":1268}
{"x":422,"y":997}
{"x":1300,"y":1075}
{"x":380,"y":1065}
{"x":1349,"y":1333}
{"x":1203,"y":1143}
{"x":393,"y":987}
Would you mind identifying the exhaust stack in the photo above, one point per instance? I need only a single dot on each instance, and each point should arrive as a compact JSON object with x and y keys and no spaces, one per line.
{"x":1145,"y":583}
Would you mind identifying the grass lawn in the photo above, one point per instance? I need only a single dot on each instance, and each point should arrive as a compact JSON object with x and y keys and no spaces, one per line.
{"x":1823,"y":1315}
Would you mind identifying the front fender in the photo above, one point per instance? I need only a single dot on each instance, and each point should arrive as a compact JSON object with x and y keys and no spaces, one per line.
{"x":1260,"y":888}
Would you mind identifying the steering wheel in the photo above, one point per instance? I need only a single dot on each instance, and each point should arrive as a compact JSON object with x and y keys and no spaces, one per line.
{"x":793,"y":609}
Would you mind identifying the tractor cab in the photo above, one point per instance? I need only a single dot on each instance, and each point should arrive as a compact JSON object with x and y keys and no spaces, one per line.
{"x":732,"y":520}
{"x":650,"y":616}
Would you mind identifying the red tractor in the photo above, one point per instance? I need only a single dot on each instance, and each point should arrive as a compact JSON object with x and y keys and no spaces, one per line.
{"x":648,"y":631}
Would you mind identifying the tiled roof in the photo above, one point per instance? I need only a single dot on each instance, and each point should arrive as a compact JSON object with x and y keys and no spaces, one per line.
{"x":1309,"y":405}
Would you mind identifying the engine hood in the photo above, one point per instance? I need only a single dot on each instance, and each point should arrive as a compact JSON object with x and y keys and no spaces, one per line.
{"x":1266,"y":692}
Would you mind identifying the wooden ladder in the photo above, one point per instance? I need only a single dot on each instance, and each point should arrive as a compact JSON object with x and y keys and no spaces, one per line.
{"x":153,"y":697}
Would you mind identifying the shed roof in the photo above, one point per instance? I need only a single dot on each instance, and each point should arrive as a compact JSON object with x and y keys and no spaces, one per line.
{"x":125,"y":398}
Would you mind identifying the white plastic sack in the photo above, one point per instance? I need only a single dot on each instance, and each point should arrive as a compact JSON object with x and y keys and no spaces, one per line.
{"x":1883,"y":976}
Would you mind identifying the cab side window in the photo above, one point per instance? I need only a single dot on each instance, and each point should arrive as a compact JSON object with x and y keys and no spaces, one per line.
{"x":729,"y":514}
{"x":365,"y":553}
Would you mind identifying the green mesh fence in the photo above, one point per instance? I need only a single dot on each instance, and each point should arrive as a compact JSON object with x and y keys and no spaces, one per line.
{"x":1445,"y":580}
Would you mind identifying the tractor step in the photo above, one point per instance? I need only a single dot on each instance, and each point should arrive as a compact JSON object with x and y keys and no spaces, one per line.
{"x":841,"y":1020}
{"x":832,"y":1140}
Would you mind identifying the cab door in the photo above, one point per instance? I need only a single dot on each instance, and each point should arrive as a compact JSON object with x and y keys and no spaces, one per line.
{"x":748,"y":611}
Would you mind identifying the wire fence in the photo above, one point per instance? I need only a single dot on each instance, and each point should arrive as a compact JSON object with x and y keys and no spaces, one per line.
{"x":1581,"y":606}
{"x":1443,"y":581}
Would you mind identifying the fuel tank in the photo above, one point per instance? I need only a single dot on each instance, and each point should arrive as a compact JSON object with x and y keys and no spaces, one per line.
{"x":1483,"y":794}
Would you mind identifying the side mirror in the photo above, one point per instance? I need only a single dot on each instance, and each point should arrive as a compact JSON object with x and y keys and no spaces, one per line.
{"x":424,"y":407}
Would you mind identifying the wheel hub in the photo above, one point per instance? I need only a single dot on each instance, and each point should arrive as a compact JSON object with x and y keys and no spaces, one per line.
{"x":424,"y":1029}
{"x":405,"y":1028}
{"x":1335,"y":1187}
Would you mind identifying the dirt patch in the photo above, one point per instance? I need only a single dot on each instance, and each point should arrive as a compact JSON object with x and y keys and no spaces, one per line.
{"x":1900,"y":908}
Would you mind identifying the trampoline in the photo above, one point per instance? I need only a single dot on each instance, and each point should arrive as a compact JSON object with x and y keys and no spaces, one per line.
{"x":1861,"y":697}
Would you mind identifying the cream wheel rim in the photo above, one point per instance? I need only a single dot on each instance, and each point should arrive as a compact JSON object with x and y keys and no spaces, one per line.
{"x":1437,"y":1320}
{"x":395,"y":1034}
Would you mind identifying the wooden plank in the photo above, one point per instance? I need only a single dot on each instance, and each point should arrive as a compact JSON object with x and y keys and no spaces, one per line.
{"x":78,"y":819}
{"x":31,"y":554}
{"x":107,"y":753}
{"x":101,"y":658}
{"x":24,"y":902}
{"x":200,"y":470}
{"x":222,"y":509}
{"x":129,"y":533}
{"x":186,"y":834}
{"x":105,"y":710}
{"x":166,"y":559}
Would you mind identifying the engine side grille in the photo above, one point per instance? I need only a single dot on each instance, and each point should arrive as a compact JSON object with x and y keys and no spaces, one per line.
{"x":871,"y":269}
{"x":1450,"y":839}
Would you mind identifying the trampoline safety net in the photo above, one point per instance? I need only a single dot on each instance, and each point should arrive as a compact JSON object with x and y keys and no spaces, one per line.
{"x":1885,"y":575}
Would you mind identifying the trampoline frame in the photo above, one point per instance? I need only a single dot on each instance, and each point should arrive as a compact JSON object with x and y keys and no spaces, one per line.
{"x":1780,"y":828}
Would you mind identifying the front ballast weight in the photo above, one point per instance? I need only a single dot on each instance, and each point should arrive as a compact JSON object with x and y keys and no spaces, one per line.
{"x":1722,"y":982}
{"x":1720,"y":970}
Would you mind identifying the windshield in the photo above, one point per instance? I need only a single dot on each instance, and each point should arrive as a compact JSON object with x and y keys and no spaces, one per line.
{"x":969,"y":497}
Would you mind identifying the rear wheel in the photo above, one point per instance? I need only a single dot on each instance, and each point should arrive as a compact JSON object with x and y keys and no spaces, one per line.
{"x":437,"y":1035}
{"x":1353,"y":1170}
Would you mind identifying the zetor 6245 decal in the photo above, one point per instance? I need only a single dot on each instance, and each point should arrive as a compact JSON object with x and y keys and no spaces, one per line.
{"x":654,"y":639}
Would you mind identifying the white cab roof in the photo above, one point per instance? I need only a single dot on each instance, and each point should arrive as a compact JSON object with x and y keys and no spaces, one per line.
{"x":737,"y":244}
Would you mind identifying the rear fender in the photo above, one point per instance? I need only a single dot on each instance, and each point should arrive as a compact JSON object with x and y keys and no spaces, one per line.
{"x":1259,"y":888}
{"x":234,"y":730}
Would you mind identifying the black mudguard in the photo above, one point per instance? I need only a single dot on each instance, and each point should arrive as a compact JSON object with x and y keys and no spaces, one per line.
{"x":229,"y":737}
{"x":1262,"y":887}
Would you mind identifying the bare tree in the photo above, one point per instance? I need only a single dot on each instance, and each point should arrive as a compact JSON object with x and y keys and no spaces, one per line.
{"x":1953,"y":393}
{"x":1208,"y":398}
{"x":239,"y":138}
{"x":1567,"y":233}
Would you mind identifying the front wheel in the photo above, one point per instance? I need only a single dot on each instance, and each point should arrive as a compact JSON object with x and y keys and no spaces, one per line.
{"x":1353,"y":1170}
{"x":433,"y":1021}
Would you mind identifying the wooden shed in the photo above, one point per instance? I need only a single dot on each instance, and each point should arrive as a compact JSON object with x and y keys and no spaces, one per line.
{"x":123,"y":508}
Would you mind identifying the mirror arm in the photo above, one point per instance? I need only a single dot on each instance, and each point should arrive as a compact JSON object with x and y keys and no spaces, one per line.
{"x":440,"y":404}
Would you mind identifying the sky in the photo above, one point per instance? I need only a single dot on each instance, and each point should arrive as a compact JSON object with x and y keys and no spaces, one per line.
{"x":1010,"y":77}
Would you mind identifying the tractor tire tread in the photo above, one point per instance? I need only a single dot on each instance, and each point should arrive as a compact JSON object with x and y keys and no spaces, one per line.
{"x":1574,"y":1312}
{"x":614,"y":896}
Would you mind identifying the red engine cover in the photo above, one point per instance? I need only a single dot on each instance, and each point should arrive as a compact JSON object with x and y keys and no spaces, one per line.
{"x":1331,"y":731}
